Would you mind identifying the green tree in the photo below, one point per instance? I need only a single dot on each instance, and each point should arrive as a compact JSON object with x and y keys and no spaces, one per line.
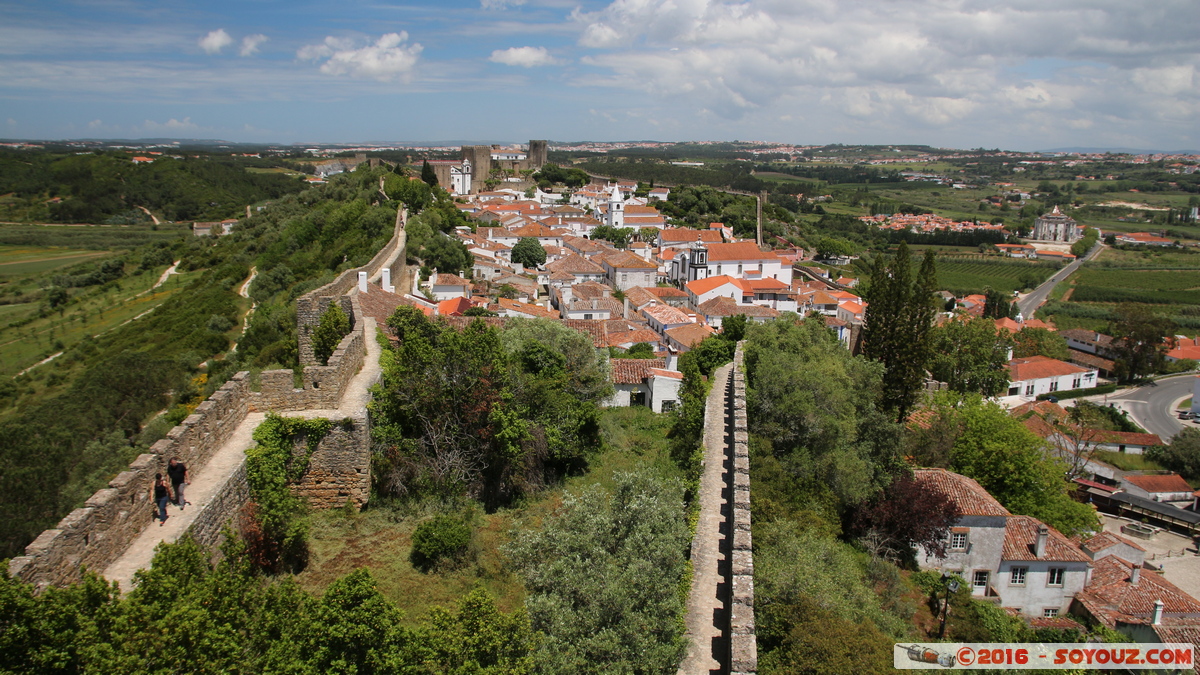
{"x":603,"y":579}
{"x":1182,"y":455}
{"x":969,"y":356}
{"x":1040,"y":342}
{"x":641,"y":350}
{"x":428,"y":174}
{"x":332,"y":327}
{"x":618,"y":236}
{"x":829,"y":247}
{"x":1140,"y":342}
{"x":997,"y":306}
{"x":898,"y":324}
{"x":529,"y":252}
{"x":1013,"y":464}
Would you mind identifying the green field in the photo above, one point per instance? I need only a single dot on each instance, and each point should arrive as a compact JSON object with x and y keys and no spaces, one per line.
{"x":17,"y":261}
{"x":975,"y":274}
{"x":1170,"y":258}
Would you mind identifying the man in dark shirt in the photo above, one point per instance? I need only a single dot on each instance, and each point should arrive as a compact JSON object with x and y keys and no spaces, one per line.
{"x":179,"y":475}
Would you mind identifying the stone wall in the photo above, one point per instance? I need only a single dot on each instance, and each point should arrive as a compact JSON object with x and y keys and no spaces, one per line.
{"x":339,"y":468}
{"x":311,"y":305}
{"x":743,"y":643}
{"x":96,"y":534}
{"x":222,"y":509}
{"x":323,"y":385}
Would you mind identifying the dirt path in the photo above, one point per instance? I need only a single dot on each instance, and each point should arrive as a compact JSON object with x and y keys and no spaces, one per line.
{"x":244,"y":291}
{"x":162,"y":279}
{"x":152,"y":216}
{"x":210,"y":479}
{"x":707,"y":615}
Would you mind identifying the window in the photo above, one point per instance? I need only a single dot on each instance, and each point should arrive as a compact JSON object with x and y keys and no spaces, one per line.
{"x":587,"y":317}
{"x":1013,"y":391}
{"x":958,"y":541}
{"x":980,"y":580}
{"x":1017,"y":577}
{"x":668,"y":406}
{"x":1055,"y":576}
{"x":1029,"y":390}
{"x":739,"y":269}
{"x":718,"y":270}
{"x":1054,"y":385}
{"x":1050,"y":612}
{"x":1075,"y":383}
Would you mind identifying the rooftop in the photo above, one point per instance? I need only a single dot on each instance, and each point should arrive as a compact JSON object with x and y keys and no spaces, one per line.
{"x":690,"y":335}
{"x":971,"y":498}
{"x":1111,"y":596}
{"x":1020,"y":542}
{"x":634,"y":371}
{"x":1171,"y":482}
{"x":1038,"y":367}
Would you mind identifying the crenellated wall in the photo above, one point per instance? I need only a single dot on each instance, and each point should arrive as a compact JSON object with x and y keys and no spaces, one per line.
{"x":311,"y":305}
{"x":323,"y":385}
{"x":96,"y":534}
{"x":743,"y":641}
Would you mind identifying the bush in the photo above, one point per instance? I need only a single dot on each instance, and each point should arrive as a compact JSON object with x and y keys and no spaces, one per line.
{"x":442,"y":538}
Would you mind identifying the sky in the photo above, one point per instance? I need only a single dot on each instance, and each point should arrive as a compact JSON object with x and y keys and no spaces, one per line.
{"x":1021,"y":75}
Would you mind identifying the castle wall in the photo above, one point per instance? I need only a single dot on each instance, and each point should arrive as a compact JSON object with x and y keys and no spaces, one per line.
{"x":323,"y":385}
{"x":743,"y":646}
{"x":338,"y":469}
{"x":96,"y":534}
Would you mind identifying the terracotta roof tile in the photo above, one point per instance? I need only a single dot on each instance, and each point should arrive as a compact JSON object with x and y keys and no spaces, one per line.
{"x":971,"y":498}
{"x":1110,"y":596}
{"x":593,"y":327}
{"x":450,"y":280}
{"x":666,"y":314}
{"x":690,"y":335}
{"x":639,"y":297}
{"x":702,"y":286}
{"x":666,"y":292}
{"x":1162,"y":483}
{"x":687,"y":234}
{"x":633,"y":371}
{"x":625,"y":260}
{"x":1104,"y":540}
{"x":1020,"y":540}
{"x":575,"y":264}
{"x":743,"y":250}
{"x":1038,"y":367}
{"x":632,"y":337}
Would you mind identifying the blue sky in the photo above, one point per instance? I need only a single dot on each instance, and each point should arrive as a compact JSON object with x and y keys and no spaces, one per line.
{"x":1027,"y":74}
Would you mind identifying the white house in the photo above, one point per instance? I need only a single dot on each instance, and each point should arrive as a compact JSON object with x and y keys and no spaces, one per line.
{"x":701,"y":291}
{"x":644,"y":382}
{"x":447,"y":286}
{"x":662,"y":318}
{"x":1037,"y":375}
{"x":1165,"y":487}
{"x":1028,"y":565}
{"x":743,"y":259}
{"x":626,"y":270}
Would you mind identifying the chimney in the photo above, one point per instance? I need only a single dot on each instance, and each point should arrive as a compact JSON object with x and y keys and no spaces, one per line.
{"x":1135,"y":575}
{"x":1158,"y":612}
{"x":362,"y":282}
{"x":1043,"y":534}
{"x":387,"y":280}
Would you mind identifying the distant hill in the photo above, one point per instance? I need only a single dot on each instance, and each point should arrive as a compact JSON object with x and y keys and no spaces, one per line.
{"x":1123,"y":151}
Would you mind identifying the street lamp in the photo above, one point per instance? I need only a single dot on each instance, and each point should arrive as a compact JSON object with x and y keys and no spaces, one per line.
{"x":951,"y":587}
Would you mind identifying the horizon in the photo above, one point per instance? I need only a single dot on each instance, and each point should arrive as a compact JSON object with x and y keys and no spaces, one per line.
{"x":1024,"y":76}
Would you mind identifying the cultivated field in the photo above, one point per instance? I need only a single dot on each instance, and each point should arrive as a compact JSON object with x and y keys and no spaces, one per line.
{"x":16,"y":261}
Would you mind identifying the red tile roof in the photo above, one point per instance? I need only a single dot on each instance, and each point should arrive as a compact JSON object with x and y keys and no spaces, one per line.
{"x":450,"y":280}
{"x":666,"y":292}
{"x":742,"y":250}
{"x":1110,"y":597}
{"x":632,"y":337}
{"x":1128,"y":438}
{"x":575,"y":264}
{"x":690,"y":335}
{"x":1105,"y":540}
{"x":670,"y":374}
{"x":971,"y":498}
{"x":1020,"y":541}
{"x":380,"y":304}
{"x":702,"y":286}
{"x":625,"y":260}
{"x":1038,"y":367}
{"x":687,"y":234}
{"x":454,"y":306}
{"x":633,"y":371}
{"x":1161,"y":483}
{"x":593,"y":327}
{"x":666,"y":314}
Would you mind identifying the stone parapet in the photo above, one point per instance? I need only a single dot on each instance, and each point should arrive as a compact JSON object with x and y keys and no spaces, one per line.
{"x":221,"y":510}
{"x":743,"y":647}
{"x":323,"y":385}
{"x":96,"y":534}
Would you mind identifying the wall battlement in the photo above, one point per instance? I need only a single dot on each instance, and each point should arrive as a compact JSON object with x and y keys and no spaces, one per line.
{"x":96,"y":534}
{"x":743,"y":647}
{"x":323,"y":385}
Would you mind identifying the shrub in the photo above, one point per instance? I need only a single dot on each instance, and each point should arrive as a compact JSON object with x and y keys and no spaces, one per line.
{"x":332,"y":328}
{"x":442,"y":538}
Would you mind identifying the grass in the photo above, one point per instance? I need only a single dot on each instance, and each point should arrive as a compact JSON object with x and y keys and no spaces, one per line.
{"x":380,"y":537}
{"x":17,"y":261}
{"x":961,"y":274}
{"x":1127,"y":462}
{"x":95,"y":311}
{"x":1150,"y":259}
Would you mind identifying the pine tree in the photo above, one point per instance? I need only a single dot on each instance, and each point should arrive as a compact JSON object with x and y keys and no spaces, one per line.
{"x":897,"y":325}
{"x":428,"y":175}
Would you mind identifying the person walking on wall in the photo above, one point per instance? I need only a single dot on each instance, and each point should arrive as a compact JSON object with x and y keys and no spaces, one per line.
{"x":178,"y":472}
{"x":161,"y":497}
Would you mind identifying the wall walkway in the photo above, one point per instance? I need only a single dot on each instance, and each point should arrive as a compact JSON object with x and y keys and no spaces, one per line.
{"x":720,"y":610}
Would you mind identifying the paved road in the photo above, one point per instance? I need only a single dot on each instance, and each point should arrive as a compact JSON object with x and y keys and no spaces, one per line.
{"x":1031,"y":302}
{"x":1152,"y":405}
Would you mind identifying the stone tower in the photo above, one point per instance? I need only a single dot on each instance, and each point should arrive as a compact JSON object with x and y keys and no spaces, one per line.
{"x":537,"y":155}
{"x":480,"y":157}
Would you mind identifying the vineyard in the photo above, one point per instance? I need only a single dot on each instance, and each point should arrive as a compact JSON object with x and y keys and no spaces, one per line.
{"x":1098,"y":289}
{"x":974,"y":274}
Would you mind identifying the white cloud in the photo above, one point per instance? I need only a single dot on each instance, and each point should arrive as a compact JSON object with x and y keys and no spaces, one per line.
{"x":389,"y":58}
{"x":500,"y":4}
{"x":527,"y":57}
{"x":250,"y":44}
{"x":171,"y":126}
{"x":215,"y":41}
{"x":95,"y":124}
